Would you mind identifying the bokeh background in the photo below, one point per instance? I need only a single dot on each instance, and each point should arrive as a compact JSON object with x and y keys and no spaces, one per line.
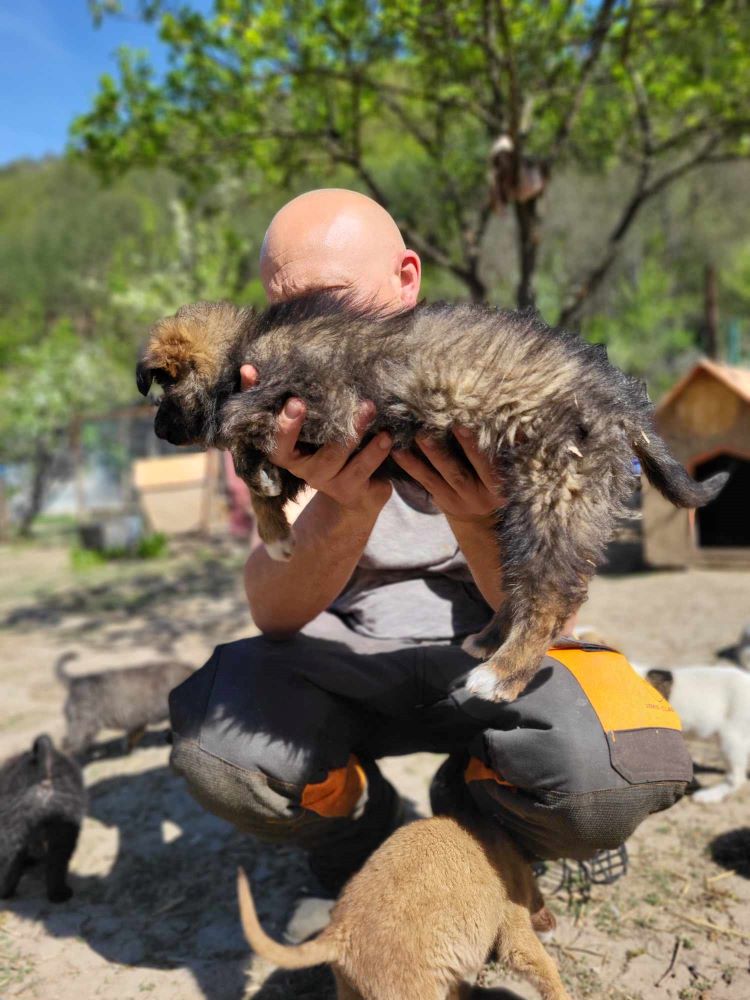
{"x":591,"y":159}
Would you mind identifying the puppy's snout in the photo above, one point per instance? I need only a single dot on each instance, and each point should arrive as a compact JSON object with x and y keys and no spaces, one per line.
{"x":168,"y":426}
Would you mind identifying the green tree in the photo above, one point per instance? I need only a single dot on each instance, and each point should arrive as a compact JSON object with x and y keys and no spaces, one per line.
{"x":408,"y":96}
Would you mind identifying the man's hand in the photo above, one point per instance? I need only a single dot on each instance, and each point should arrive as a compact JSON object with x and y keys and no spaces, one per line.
{"x":331,"y":470}
{"x":468,"y":499}
{"x":459,"y":493}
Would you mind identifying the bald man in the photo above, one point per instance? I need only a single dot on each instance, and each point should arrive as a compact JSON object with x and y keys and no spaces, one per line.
{"x":360,"y":653}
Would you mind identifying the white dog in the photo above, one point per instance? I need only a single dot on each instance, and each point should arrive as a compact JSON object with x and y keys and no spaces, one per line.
{"x":711,"y":701}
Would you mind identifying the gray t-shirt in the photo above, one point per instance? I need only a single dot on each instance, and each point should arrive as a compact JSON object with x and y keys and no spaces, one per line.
{"x":412,"y":582}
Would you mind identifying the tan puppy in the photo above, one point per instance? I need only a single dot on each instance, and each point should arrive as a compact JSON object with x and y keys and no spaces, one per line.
{"x":419,"y":920}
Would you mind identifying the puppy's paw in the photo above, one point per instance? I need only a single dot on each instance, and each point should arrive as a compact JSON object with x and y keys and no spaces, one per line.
{"x":281,"y":549}
{"x":269,"y":482}
{"x":717,"y":793}
{"x":487,"y":683}
{"x":544,"y":924}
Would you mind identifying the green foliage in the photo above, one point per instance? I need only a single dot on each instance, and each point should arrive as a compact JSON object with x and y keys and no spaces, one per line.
{"x":645,"y":329}
{"x":153,"y":546}
{"x":84,"y":271}
{"x":407,"y":96}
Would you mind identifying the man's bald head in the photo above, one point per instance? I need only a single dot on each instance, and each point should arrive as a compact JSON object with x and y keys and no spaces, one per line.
{"x":338,"y":239}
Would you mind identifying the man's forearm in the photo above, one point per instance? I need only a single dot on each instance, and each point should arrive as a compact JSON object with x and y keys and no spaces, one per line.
{"x":478,"y":542}
{"x":285,"y":596}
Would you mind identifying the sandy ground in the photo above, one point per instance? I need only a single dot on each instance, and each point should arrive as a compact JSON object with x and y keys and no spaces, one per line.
{"x":154,"y":911}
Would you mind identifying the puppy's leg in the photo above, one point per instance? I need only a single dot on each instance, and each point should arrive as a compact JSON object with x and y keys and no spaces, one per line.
{"x":523,"y":629}
{"x":521,"y":949}
{"x":273,"y":526}
{"x":60,"y":836}
{"x":268,"y":480}
{"x":134,"y":737}
{"x":735,"y":748}
{"x":266,"y":486}
{"x":343,"y":990}
{"x":13,"y":874}
{"x":549,"y":545}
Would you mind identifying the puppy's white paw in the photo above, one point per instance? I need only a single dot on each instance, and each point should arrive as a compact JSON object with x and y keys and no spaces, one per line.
{"x":269,"y":484}
{"x":281,"y":550}
{"x":547,"y":937}
{"x":474,"y":647}
{"x":717,"y":793}
{"x":484,"y":682}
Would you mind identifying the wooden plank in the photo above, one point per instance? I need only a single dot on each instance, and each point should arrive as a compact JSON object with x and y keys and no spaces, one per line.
{"x":172,"y":470}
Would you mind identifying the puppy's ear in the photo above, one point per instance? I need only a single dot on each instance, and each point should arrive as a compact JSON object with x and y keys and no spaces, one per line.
{"x":662,"y":680}
{"x":175,"y":347}
{"x":144,"y":376}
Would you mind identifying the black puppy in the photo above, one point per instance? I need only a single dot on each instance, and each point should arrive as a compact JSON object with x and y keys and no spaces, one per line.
{"x":42,"y":804}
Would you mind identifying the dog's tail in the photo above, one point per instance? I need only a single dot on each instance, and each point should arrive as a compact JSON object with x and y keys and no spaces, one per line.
{"x":60,"y":672}
{"x":300,"y":956}
{"x":665,"y":473}
{"x":42,"y":752}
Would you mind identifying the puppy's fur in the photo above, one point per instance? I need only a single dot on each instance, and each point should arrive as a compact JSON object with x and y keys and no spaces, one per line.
{"x":559,"y":422}
{"x":129,"y":699}
{"x":42,"y":803}
{"x":711,"y":701}
{"x":421,"y":917}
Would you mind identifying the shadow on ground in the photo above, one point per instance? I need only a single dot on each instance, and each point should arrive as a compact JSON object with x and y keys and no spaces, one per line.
{"x":169,"y":900}
{"x":151,"y":607}
{"x":731,"y":850}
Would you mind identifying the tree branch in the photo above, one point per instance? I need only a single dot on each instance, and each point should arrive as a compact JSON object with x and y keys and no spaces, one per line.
{"x":643,"y":193}
{"x":599,"y":33}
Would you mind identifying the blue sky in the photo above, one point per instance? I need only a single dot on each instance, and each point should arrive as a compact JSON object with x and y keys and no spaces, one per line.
{"x":51,"y":58}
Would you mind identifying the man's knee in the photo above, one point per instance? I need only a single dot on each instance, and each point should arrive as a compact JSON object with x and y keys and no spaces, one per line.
{"x":591,"y":752}
{"x":549,"y":825}
{"x":259,"y":747}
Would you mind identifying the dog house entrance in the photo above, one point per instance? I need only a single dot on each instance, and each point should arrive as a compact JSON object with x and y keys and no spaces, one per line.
{"x":725,"y":522}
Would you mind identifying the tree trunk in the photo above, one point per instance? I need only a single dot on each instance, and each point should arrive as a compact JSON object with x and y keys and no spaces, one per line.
{"x":527,"y":219}
{"x":711,"y":316}
{"x":40,"y":478}
{"x":477,"y":288}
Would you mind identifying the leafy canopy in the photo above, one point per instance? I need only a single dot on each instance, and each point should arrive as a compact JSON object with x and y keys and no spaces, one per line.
{"x":408,"y":96}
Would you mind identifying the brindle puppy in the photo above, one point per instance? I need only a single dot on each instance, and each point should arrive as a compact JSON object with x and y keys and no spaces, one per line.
{"x":129,"y":699}
{"x":559,"y":421}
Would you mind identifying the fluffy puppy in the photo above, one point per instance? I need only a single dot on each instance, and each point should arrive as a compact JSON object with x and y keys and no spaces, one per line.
{"x":560,"y":423}
{"x":711,"y":701}
{"x":421,"y":917}
{"x":42,"y":803}
{"x":129,"y":699}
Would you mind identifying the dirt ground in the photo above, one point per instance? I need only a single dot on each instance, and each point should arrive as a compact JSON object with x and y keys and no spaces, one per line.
{"x":154,"y":910}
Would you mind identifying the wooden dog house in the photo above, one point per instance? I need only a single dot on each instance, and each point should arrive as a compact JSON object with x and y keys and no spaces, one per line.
{"x":181,"y":493}
{"x":705,"y":420}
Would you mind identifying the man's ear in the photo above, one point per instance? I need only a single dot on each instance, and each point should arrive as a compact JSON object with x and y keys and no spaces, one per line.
{"x":410,"y":276}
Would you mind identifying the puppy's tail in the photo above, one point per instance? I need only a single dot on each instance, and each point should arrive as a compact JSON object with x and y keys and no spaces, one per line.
{"x":60,"y":673}
{"x":300,"y":956}
{"x":42,"y":753}
{"x":665,"y":473}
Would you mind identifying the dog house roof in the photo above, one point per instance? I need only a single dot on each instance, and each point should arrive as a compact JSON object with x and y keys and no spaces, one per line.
{"x":736,"y":379}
